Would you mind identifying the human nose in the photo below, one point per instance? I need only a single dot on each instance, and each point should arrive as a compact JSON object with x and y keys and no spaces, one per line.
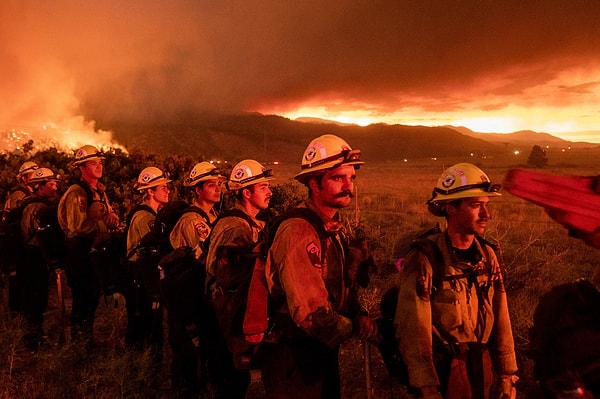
{"x":484,"y":212}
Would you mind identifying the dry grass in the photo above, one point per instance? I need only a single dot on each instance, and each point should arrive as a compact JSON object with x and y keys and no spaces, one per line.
{"x":536,"y":254}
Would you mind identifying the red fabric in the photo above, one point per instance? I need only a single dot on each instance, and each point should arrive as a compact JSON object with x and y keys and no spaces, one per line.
{"x":256,"y":319}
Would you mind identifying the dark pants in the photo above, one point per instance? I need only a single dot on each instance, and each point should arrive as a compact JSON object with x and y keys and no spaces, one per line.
{"x":144,"y":320}
{"x":187,"y":370}
{"x":299,"y":368}
{"x":33,"y":280}
{"x":85,"y":288}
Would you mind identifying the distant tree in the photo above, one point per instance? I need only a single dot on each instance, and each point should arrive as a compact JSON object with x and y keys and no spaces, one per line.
{"x":537,"y":157}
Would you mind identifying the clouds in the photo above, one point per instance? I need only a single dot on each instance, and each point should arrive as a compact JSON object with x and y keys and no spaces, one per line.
{"x":140,"y":60}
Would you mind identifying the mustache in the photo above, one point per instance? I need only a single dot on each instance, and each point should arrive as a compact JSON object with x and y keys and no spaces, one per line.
{"x":344,"y":194}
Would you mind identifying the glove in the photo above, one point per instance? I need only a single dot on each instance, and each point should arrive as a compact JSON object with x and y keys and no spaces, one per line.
{"x":506,"y":387}
{"x":365,"y":328}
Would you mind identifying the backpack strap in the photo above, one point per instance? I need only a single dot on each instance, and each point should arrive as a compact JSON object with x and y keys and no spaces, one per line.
{"x":429,"y":248}
{"x":22,"y":189}
{"x":301,"y":213}
{"x":199,"y":211}
{"x":129,"y":218}
{"x":88,"y":191}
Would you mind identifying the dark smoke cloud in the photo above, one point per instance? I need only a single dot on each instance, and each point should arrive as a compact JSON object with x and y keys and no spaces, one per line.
{"x":139,"y":60}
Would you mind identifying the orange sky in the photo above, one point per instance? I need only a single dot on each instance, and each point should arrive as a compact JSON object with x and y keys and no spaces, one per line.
{"x":490,"y":66}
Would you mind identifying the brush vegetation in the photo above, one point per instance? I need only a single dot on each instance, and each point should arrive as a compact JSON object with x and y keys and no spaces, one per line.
{"x":535,"y":252}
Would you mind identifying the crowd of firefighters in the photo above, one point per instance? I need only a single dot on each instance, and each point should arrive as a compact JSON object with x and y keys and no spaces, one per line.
{"x":452,"y":320}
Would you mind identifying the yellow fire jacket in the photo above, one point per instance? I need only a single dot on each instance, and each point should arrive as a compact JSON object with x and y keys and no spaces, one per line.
{"x":191,"y":230}
{"x":230,"y":232}
{"x":316,"y":288}
{"x":452,"y":311}
{"x":141,"y":223}
{"x":76,"y":218}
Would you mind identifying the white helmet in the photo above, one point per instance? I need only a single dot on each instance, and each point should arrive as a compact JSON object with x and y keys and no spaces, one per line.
{"x":247,"y":173}
{"x":42,"y":175}
{"x":327,"y":152}
{"x":87,"y":153}
{"x":150,"y":177}
{"x":462,"y":180}
{"x":201,"y":172}
{"x":27,"y":168}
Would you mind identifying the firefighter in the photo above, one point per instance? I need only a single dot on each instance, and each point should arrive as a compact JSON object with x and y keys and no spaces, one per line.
{"x":310,"y":282}
{"x":229,"y":267}
{"x":188,"y":361}
{"x":15,"y":196}
{"x":39,"y":230}
{"x":143,"y":318}
{"x":83,"y":213}
{"x":23,"y":189}
{"x":452,"y":320}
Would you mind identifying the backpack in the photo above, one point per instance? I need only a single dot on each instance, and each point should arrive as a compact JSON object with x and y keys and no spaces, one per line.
{"x":107,"y":250}
{"x":163,"y":270}
{"x":243,"y":307}
{"x":388,"y":347}
{"x":11,"y":241}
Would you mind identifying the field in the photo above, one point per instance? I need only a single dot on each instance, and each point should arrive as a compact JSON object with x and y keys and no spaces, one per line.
{"x":536,"y":254}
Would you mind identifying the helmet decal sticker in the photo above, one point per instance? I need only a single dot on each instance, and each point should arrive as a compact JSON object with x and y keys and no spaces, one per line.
{"x":240,"y":171}
{"x":146,"y":177}
{"x":448,"y":180}
{"x":310,"y":153}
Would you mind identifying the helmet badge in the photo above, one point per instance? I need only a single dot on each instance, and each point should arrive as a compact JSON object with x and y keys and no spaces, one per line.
{"x":448,"y":180}
{"x":146,"y":178}
{"x":310,"y":153}
{"x":239,"y":172}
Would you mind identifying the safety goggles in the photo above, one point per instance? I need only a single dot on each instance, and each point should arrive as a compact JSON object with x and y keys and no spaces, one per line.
{"x":486,"y":186}
{"x":211,"y":173}
{"x":344,"y":157}
{"x":265,"y":174}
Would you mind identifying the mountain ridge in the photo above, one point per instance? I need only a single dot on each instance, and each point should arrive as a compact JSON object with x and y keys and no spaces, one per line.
{"x":276,"y":138}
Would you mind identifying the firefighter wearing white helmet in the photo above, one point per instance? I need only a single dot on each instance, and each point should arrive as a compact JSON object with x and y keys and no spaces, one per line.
{"x":84,"y":213}
{"x":234,"y":236}
{"x":452,"y":306}
{"x":42,"y":239}
{"x":142,"y":322}
{"x":327,"y":152}
{"x":191,"y":230}
{"x":315,"y":273}
{"x":23,"y":189}
{"x":462,"y":180}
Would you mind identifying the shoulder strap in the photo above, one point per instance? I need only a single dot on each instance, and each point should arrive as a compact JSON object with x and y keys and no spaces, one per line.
{"x":88,"y":192}
{"x":429,"y":248}
{"x":301,"y":213}
{"x":199,"y":211}
{"x":21,"y":189}
{"x":130,"y":215}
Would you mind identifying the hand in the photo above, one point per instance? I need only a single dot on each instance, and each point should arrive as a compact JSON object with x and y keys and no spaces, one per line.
{"x":505,"y":387}
{"x":365,"y":328}
{"x":111,"y":220}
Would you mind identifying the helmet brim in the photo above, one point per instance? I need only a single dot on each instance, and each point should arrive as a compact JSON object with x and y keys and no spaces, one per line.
{"x":156,"y":183}
{"x":80,"y":162}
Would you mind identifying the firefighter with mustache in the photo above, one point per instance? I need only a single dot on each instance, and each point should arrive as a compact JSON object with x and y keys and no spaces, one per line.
{"x":311,"y":282}
{"x":452,"y":320}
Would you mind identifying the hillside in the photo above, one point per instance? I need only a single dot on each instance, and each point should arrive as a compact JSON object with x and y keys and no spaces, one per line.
{"x":274,"y":138}
{"x":523,"y":138}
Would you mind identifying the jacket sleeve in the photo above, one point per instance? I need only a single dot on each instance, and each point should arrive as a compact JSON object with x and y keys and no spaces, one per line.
{"x":413,"y":319}
{"x":295,"y":251}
